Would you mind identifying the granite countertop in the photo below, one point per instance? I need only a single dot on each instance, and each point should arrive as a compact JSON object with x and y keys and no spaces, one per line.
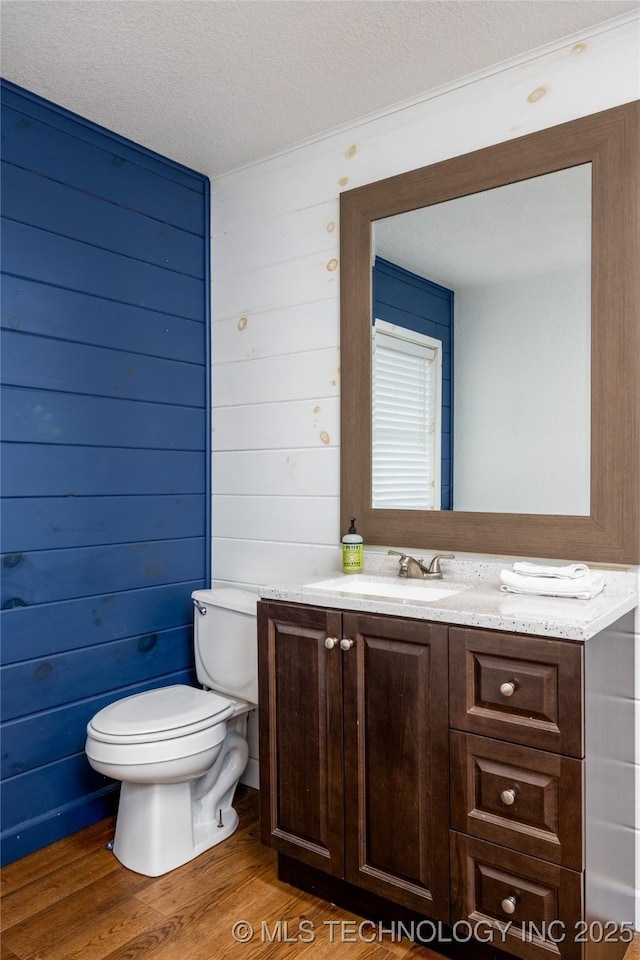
{"x":478,"y":602}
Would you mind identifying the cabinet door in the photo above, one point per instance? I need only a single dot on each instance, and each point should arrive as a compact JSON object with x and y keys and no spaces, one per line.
{"x":300,"y":691}
{"x":396,"y":761}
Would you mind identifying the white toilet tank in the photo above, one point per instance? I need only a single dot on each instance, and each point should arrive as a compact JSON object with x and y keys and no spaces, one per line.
{"x":225,"y":641}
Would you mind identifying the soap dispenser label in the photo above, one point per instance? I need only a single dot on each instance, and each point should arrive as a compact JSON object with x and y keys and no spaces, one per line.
{"x":352,"y":557}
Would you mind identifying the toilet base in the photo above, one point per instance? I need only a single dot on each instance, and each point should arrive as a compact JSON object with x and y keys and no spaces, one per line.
{"x":154,"y":829}
{"x":161,"y":826}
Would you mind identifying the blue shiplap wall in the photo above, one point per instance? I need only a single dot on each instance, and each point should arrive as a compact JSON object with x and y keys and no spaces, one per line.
{"x":105,"y":446}
{"x":411,"y":301}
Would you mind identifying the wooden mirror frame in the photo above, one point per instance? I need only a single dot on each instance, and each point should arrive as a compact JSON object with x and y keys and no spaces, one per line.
{"x":609,"y":141}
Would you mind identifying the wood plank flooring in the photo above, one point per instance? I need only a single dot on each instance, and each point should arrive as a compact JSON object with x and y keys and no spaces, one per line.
{"x":75,"y":901}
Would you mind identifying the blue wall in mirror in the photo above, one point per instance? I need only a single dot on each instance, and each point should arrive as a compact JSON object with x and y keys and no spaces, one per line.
{"x":411,"y":301}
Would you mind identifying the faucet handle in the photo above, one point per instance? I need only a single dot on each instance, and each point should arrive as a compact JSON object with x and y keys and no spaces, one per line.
{"x":434,"y":566}
{"x":404,"y":561}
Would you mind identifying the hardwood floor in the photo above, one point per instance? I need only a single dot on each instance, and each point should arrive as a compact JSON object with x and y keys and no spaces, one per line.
{"x":75,"y":901}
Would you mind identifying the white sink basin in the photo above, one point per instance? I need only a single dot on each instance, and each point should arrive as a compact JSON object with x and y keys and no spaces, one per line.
{"x":386,"y":589}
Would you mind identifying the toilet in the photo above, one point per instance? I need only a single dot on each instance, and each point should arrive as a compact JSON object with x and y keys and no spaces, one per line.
{"x":180,"y":751}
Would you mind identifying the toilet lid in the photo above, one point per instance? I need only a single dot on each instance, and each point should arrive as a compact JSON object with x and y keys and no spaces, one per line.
{"x":160,"y":714}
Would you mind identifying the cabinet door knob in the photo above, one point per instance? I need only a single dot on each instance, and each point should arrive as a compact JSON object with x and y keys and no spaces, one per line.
{"x":509,"y":904}
{"x":331,"y":642}
{"x":508,"y":797}
{"x":508,"y":689}
{"x":346,"y":644}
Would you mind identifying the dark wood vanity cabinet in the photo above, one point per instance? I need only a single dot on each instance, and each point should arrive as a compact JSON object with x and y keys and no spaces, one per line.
{"x":354,"y":749}
{"x":468,"y":775}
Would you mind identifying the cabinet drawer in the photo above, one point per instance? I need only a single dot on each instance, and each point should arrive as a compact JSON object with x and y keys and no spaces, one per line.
{"x":526,"y":799}
{"x":523,"y":689}
{"x":535,"y":906}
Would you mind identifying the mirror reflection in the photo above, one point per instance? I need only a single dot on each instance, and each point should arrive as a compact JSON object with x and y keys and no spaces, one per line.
{"x":481,"y":351}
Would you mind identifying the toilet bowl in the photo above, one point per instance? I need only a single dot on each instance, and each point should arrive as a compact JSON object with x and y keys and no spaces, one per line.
{"x":180,"y":751}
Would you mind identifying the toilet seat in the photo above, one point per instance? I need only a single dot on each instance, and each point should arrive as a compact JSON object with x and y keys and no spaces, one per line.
{"x":159,"y":715}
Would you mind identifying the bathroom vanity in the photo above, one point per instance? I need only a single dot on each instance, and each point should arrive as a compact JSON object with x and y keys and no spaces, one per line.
{"x":465,"y":759}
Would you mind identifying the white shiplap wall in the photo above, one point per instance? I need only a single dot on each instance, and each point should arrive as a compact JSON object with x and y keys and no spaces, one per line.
{"x":275,"y":343}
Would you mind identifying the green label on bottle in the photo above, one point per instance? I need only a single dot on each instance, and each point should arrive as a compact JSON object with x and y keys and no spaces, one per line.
{"x":352,"y":557}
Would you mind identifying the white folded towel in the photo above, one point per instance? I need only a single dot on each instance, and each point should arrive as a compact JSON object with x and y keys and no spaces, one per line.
{"x":581,"y":588}
{"x":570,"y":571}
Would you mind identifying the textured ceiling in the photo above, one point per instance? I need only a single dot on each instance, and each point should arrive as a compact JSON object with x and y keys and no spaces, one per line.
{"x":217,"y":83}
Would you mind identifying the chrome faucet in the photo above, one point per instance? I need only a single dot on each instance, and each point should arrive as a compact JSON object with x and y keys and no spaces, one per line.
{"x":410,"y":567}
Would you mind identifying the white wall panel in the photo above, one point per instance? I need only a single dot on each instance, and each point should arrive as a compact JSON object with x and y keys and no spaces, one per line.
{"x":293,"y":182}
{"x":287,"y":330}
{"x":276,"y":473}
{"x":261,"y":563}
{"x":300,"y":281}
{"x":291,"y":377}
{"x":272,"y":519}
{"x":297,"y":234}
{"x":298,"y":423}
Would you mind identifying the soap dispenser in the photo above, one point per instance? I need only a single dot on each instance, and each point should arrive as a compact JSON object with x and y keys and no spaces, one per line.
{"x":352,"y":550}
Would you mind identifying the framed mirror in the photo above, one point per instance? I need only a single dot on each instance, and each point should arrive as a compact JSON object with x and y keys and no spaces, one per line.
{"x":534,"y":432}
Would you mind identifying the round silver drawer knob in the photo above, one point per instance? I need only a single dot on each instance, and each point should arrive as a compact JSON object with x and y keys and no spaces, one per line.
{"x":508,"y":689}
{"x":509,"y":904}
{"x":508,"y":797}
{"x":346,"y":644}
{"x":331,"y":642}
